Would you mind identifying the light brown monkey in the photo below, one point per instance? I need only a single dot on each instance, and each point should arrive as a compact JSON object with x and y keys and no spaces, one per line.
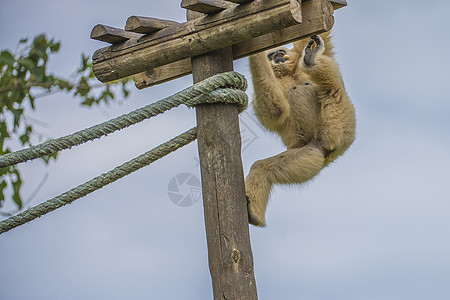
{"x":300,"y":95}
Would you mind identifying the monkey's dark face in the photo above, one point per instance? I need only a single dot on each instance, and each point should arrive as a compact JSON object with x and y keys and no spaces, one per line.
{"x":277,"y":57}
{"x":283,"y":61}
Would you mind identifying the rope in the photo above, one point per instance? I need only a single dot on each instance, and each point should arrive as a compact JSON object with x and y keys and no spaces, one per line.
{"x":99,"y":181}
{"x":226,"y":87}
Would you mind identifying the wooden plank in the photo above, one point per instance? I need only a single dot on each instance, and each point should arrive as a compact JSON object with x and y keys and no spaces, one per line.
{"x":195,"y":37}
{"x":111,"y":35}
{"x":206,"y":6}
{"x":163,"y":74}
{"x":320,"y":19}
{"x":317,"y":12}
{"x":225,"y":206}
{"x":240,"y":1}
{"x":146,"y":25}
{"x":338,"y":3}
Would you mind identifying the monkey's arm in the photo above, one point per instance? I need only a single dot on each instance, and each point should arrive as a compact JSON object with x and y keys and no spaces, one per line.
{"x":338,"y":120}
{"x":270,"y":104}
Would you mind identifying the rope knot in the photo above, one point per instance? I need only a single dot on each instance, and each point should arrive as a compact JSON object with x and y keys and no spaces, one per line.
{"x":226,"y":87}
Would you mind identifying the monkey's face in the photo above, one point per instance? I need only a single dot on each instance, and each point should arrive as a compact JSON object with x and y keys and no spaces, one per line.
{"x":279,"y":56}
{"x":282,"y":61}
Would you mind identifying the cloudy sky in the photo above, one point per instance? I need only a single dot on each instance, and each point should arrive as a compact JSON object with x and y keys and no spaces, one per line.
{"x":373,"y":226}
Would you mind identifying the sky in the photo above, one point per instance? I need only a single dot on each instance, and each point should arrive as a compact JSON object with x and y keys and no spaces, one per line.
{"x":375,"y":225}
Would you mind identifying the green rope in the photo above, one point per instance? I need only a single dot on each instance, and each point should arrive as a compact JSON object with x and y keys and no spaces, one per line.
{"x":99,"y":181}
{"x":226,"y":87}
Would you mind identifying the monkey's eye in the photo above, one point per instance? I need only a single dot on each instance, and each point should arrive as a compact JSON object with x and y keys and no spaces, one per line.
{"x":270,"y":56}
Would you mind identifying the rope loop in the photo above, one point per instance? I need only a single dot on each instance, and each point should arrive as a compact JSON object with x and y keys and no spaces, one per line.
{"x":226,"y":87}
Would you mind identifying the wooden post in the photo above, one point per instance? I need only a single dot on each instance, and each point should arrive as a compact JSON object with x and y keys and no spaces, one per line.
{"x":225,"y":207}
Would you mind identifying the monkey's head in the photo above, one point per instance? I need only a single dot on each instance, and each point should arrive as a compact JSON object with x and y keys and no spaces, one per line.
{"x":282,"y":60}
{"x":277,"y":57}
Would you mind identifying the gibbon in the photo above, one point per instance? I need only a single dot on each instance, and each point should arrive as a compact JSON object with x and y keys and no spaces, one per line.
{"x":300,"y":95}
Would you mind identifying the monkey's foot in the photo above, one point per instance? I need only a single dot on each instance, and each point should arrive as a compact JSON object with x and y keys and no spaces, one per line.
{"x":310,"y":53}
{"x":253,"y":217}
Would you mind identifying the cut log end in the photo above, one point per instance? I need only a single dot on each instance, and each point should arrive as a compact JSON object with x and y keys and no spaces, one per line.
{"x":338,"y":3}
{"x":146,"y":25}
{"x":110,"y":34}
{"x":206,"y":6}
{"x":240,"y":1}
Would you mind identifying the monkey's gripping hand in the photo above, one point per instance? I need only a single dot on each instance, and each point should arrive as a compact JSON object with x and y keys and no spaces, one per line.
{"x":310,"y":52}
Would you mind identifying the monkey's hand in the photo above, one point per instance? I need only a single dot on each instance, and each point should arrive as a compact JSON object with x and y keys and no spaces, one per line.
{"x":310,"y":52}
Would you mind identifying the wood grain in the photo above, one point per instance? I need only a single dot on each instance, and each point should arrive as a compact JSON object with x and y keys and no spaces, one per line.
{"x":147,"y":25}
{"x":111,"y":35}
{"x":206,"y":6}
{"x":318,"y":16}
{"x":225,"y":206}
{"x":196,"y":37}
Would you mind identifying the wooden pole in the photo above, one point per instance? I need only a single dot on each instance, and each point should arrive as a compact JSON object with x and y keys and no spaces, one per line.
{"x":225,"y":208}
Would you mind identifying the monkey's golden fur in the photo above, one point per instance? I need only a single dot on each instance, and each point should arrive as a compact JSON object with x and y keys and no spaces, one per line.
{"x":300,"y":95}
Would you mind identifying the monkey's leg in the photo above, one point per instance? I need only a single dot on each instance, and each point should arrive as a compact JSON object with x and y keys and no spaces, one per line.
{"x":295,"y":165}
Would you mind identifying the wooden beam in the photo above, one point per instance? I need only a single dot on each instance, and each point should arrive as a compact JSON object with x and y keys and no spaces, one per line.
{"x":239,"y":1}
{"x":319,"y":16}
{"x":111,"y":35}
{"x":195,"y":37}
{"x":163,"y":74}
{"x":206,"y":6}
{"x":146,"y":25}
{"x":320,"y":19}
{"x":338,"y":3}
{"x":225,"y":206}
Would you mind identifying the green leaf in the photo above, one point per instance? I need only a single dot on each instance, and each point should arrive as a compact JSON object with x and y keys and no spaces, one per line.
{"x":3,"y":185}
{"x":4,"y":171}
{"x":38,"y":72}
{"x":83,"y":87}
{"x":48,"y":158}
{"x":54,"y":47}
{"x":125,"y":91}
{"x":17,"y":184}
{"x":17,"y":115}
{"x":4,"y":134}
{"x":28,"y":63}
{"x":84,"y":63}
{"x":88,"y":101}
{"x":24,"y":138}
{"x":6,"y":58}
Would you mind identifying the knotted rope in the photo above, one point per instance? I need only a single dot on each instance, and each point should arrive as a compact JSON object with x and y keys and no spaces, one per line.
{"x":226,"y":87}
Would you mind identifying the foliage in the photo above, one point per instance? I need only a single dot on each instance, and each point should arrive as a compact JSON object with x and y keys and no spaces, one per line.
{"x":23,"y":79}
